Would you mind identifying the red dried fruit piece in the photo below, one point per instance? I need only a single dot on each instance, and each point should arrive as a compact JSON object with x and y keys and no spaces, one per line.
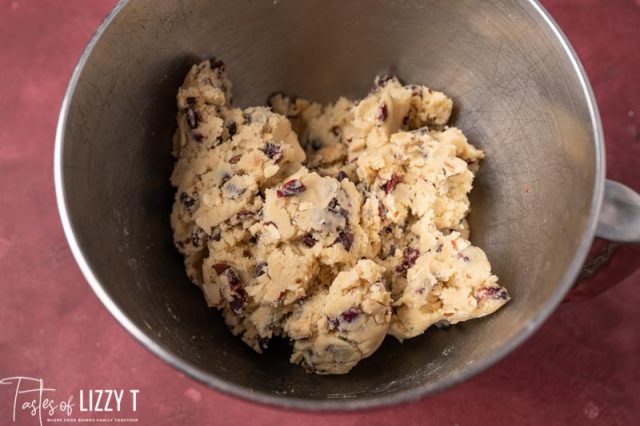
{"x":391,"y":184}
{"x":308,"y":240}
{"x":382,"y":210}
{"x":235,"y":159}
{"x":273,"y":151}
{"x":409,"y":257}
{"x":351,"y":314}
{"x":336,"y":208}
{"x":346,"y":239}
{"x":463,"y":257}
{"x":220,"y":267}
{"x":497,"y":293}
{"x":383,"y":112}
{"x":233,"y":278}
{"x":341,"y":176}
{"x":291,"y":188}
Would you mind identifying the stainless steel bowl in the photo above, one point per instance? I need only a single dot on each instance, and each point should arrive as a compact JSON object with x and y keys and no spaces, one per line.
{"x":520,"y":94}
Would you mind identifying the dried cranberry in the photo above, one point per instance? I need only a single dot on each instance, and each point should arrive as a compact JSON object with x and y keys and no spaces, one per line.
{"x":220,"y":268}
{"x":233,"y":278}
{"x":391,"y":184}
{"x":197,"y":136}
{"x":187,"y":201}
{"x":497,"y":293}
{"x":308,"y":240}
{"x":261,"y":268}
{"x":409,"y":257}
{"x":273,"y":151}
{"x":383,"y":112}
{"x":351,"y":314}
{"x":291,"y":188}
{"x":235,"y":158}
{"x":463,"y":257}
{"x":345,"y":238}
{"x":341,"y":176}
{"x":193,"y":118}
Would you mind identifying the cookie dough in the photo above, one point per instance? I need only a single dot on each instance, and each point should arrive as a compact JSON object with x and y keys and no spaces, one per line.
{"x":331,"y":226}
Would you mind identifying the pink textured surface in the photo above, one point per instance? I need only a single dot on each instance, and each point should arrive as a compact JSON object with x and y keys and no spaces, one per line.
{"x":580,"y":368}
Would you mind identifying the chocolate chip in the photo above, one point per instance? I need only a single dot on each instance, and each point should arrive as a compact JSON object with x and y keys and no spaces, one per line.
{"x":388,"y":229}
{"x":197,"y":236}
{"x":239,"y":302}
{"x":334,"y":323}
{"x":273,"y":151}
{"x":225,"y":178}
{"x":336,"y":208}
{"x":232,"y":128}
{"x":235,"y":158}
{"x":336,"y":131}
{"x":409,"y":257}
{"x":220,"y":268}
{"x":291,"y":188}
{"x":383,"y":112}
{"x":261,"y":269}
{"x":263,"y":342}
{"x":391,"y":184}
{"x":187,"y":201}
{"x":233,"y":191}
{"x":216,"y":63}
{"x":345,"y":238}
{"x":308,"y":240}
{"x":191,"y":101}
{"x":341,"y":176}
{"x":215,"y":235}
{"x":243,"y":214}
{"x":382,"y":80}
{"x":382,"y":210}
{"x":316,"y":144}
{"x":193,"y":118}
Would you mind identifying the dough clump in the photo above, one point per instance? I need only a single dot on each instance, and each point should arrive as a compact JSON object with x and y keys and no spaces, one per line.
{"x":333,"y":225}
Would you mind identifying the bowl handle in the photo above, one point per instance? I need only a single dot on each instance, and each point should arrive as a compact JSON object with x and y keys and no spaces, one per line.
{"x":615,"y":253}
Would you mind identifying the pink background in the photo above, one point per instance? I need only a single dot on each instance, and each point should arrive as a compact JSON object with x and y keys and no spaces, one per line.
{"x":582,"y":367}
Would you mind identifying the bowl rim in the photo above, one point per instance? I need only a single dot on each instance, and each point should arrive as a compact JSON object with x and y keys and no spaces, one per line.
{"x":288,"y":402}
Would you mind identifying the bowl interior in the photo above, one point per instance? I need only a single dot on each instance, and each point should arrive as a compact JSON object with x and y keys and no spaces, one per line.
{"x":517,"y":96}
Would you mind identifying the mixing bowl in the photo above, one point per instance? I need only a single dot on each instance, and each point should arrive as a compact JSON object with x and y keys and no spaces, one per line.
{"x":520,"y":94}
